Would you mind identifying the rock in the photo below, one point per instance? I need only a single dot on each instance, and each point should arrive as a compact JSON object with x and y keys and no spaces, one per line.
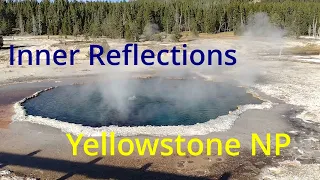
{"x":4,"y":172}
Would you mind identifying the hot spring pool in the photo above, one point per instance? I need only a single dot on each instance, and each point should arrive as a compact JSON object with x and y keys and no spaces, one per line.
{"x":156,"y":102}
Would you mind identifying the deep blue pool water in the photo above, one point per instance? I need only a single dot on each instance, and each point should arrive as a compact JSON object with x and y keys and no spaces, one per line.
{"x":154,"y":102}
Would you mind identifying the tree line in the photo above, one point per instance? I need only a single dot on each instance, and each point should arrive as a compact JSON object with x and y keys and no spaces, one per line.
{"x":133,"y":18}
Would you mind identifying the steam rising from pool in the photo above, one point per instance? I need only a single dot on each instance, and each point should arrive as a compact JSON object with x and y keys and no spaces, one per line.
{"x":161,"y":112}
{"x":161,"y":106}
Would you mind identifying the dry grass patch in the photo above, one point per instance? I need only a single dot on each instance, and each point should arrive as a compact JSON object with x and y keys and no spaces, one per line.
{"x":308,"y":49}
{"x":227,"y":35}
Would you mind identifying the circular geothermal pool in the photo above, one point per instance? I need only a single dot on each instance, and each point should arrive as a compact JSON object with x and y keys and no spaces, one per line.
{"x":139,"y":102}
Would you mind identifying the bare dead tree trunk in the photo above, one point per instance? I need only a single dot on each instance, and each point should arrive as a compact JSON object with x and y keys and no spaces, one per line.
{"x":167,"y":24}
{"x":189,"y":28}
{"x":34,"y":26}
{"x":180,"y":21}
{"x":220,"y":24}
{"x":309,"y":30}
{"x":314,"y":27}
{"x":242,"y":22}
{"x":21,"y":25}
{"x":176,"y":18}
{"x":39,"y":22}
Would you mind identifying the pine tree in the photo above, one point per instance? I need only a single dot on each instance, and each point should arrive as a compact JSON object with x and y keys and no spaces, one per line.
{"x":124,"y":19}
